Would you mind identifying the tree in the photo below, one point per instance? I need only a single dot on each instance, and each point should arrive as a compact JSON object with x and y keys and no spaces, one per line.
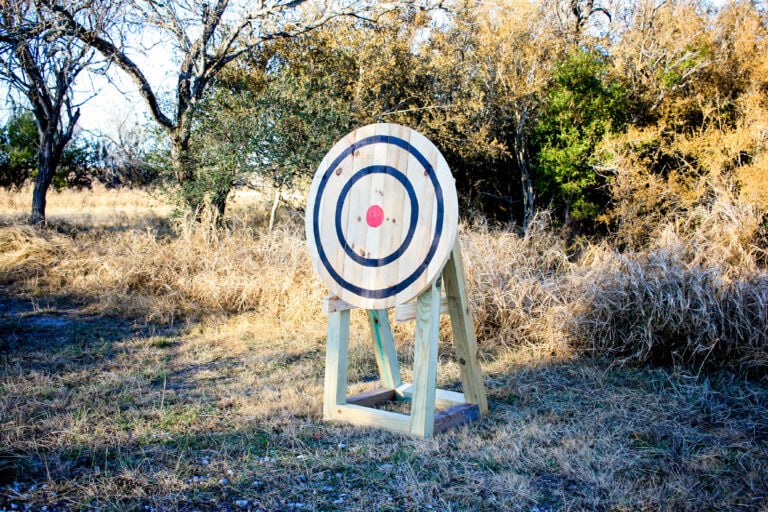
{"x":697,"y":82}
{"x":133,"y":157}
{"x":506,"y":64}
{"x":39,"y":61}
{"x":257,"y":126}
{"x":18,"y":150}
{"x":580,"y":107}
{"x":206,"y":37}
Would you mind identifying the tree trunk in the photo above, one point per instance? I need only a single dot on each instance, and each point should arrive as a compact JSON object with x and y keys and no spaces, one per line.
{"x":521,"y":156}
{"x":273,"y":212}
{"x":38,"y":201}
{"x":219,"y":204}
{"x":179,"y":156}
{"x":46,"y":166}
{"x":192,"y":195}
{"x":527,"y":185}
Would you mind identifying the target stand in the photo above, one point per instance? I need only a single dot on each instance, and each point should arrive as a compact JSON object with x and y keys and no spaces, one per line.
{"x":381,"y":223}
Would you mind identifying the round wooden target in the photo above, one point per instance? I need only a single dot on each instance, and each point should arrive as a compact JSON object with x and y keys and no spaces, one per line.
{"x":381,"y":216}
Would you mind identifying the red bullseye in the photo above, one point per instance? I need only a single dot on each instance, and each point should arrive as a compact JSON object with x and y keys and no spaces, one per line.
{"x":375,"y":216}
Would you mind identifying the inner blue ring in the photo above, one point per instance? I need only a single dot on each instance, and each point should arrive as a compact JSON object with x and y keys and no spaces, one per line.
{"x":390,"y":171}
{"x":380,"y":293}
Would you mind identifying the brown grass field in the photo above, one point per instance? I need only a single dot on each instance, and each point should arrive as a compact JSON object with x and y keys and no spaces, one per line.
{"x":150,"y":364}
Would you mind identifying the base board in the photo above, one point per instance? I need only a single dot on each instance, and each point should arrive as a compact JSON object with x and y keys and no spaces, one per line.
{"x":364,"y":414}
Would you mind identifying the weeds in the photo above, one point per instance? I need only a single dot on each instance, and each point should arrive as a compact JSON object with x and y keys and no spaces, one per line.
{"x":697,"y":299}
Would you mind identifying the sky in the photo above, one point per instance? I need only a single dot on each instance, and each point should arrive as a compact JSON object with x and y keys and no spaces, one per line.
{"x":117,"y":101}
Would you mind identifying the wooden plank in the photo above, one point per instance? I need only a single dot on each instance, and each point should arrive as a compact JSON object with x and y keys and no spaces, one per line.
{"x":354,"y":227}
{"x":372,"y":195}
{"x":372,"y":397}
{"x":450,"y":209}
{"x":337,"y":349}
{"x":368,"y":417}
{"x":443,"y":398}
{"x":333,"y":304}
{"x":425,"y":362}
{"x":384,"y":348}
{"x":397,"y":207}
{"x":424,"y":192}
{"x":407,"y":312}
{"x":463,"y":326}
{"x":335,"y":253}
{"x":455,"y":416}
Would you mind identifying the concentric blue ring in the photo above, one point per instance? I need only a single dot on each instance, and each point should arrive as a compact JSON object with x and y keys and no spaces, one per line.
{"x":389,"y":291}
{"x":403,"y":179}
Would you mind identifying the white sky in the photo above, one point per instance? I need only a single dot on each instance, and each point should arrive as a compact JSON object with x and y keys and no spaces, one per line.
{"x":118,"y":101}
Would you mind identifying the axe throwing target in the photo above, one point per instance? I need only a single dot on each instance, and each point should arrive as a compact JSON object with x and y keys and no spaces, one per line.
{"x":381,"y":216}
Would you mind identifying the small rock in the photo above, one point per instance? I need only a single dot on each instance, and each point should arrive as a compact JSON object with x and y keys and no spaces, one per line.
{"x":224,"y":481}
{"x":241,"y":503}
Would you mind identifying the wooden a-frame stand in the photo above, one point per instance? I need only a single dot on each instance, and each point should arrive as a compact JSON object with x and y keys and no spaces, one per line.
{"x":424,"y":420}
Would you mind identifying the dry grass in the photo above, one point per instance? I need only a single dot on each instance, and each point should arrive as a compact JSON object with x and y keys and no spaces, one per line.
{"x":697,"y":298}
{"x":150,"y":365}
{"x":661,"y":309}
{"x":87,"y":208}
{"x":198,"y":272}
{"x":160,"y":270}
{"x":225,"y":415}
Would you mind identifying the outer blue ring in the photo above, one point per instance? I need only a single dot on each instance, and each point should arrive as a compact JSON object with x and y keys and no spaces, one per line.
{"x":378,"y":169}
{"x":402,"y":285}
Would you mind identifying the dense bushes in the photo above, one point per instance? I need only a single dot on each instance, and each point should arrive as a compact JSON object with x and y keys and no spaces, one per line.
{"x":696,"y":299}
{"x":657,"y":308}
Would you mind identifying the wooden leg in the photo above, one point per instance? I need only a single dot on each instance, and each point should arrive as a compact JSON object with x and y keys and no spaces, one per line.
{"x":384,"y":348}
{"x":463,"y":326}
{"x":336,"y":363}
{"x":425,"y":361}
